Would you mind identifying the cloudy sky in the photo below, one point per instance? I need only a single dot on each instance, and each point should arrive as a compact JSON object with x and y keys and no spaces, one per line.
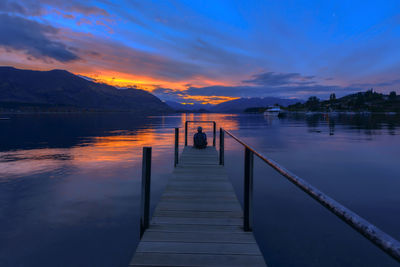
{"x":210,"y":51}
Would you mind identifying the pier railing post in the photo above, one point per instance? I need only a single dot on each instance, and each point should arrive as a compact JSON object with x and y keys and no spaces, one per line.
{"x":221,"y":147}
{"x":145,"y":202}
{"x":186,"y":133}
{"x":215,"y":132}
{"x":248,"y":190}
{"x":176,"y":146}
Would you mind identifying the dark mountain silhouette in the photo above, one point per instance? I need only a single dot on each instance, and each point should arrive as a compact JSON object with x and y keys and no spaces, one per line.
{"x":60,"y":90}
{"x":239,"y":105}
{"x":181,"y":107}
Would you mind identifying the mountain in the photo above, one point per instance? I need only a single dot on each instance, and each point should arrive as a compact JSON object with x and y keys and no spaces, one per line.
{"x":185,"y":107}
{"x":60,"y":90}
{"x":239,"y":105}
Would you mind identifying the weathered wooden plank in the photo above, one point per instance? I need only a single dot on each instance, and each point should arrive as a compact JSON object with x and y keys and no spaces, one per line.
{"x":199,"y":207}
{"x":196,"y":172}
{"x":212,"y":199}
{"x":227,"y":229}
{"x":218,"y":196}
{"x":207,"y":237}
{"x":198,"y":158}
{"x":204,"y":194}
{"x":198,"y":214}
{"x":202,"y":201}
{"x":192,"y":189}
{"x":197,"y":220}
{"x":199,"y":248}
{"x":197,"y":162}
{"x":170,"y":259}
{"x":186,"y":168}
{"x":199,"y":177}
{"x":196,"y":184}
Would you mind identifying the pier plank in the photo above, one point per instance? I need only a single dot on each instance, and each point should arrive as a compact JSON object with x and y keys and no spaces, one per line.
{"x":200,"y":237}
{"x":171,"y":259}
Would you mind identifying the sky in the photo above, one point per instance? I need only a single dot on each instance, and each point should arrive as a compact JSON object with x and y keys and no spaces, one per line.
{"x":210,"y":51}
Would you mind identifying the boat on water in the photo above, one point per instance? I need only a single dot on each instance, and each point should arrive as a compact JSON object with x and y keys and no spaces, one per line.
{"x":272,"y":111}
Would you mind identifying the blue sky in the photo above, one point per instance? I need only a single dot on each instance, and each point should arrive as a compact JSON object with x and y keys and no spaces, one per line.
{"x":210,"y":51}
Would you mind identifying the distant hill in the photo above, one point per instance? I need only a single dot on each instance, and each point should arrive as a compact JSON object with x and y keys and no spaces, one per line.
{"x":239,"y":105}
{"x":185,"y":107}
{"x":60,"y":90}
{"x":369,"y":101}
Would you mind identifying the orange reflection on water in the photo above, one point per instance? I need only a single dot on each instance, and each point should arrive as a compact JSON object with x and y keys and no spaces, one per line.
{"x":24,"y":162}
{"x":120,"y":148}
{"x":100,"y":151}
{"x":123,"y":147}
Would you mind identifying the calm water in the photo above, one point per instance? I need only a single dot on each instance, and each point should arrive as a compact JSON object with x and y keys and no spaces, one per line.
{"x":70,"y":185}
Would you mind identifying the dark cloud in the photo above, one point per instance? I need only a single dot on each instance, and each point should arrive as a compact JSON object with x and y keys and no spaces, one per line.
{"x":262,"y":91}
{"x":254,"y":91}
{"x":167,"y":94}
{"x":206,"y":51}
{"x":163,"y":91}
{"x":34,"y":38}
{"x":278,"y":79}
{"x":38,"y":7}
{"x":12,"y":7}
{"x":121,"y":58}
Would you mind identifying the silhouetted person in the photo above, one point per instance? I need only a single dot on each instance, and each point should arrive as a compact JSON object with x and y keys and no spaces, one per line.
{"x":200,"y":139}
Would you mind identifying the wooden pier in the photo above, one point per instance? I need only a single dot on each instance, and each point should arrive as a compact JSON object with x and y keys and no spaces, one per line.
{"x":198,"y":221}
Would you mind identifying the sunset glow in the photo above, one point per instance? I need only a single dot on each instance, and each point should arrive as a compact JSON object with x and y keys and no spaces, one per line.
{"x":187,"y":53}
{"x":147,"y":83}
{"x":209,"y":99}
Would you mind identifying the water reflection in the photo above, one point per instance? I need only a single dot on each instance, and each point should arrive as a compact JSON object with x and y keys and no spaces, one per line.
{"x":367,"y":123}
{"x":352,"y":158}
{"x":93,"y":152}
{"x":73,"y":181}
{"x":27,"y":162}
{"x":119,"y":146}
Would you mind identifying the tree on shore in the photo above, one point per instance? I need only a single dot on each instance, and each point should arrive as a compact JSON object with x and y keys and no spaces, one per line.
{"x":332,"y":97}
{"x":392,"y":95}
{"x":313,"y":103}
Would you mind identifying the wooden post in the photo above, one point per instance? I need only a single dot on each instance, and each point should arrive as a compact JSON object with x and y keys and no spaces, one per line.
{"x":221,"y":147}
{"x":145,"y":203}
{"x":214,"y":132}
{"x":176,"y":146}
{"x":186,"y":133}
{"x":248,"y":190}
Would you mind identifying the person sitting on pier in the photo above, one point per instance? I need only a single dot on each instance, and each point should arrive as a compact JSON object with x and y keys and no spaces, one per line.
{"x":200,"y":139}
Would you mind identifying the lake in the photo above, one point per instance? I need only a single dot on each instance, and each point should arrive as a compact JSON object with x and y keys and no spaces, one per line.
{"x":70,"y":184}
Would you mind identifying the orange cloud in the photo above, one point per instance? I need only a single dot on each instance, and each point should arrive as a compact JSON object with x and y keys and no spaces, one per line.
{"x":209,"y":99}
{"x":147,"y":83}
{"x":130,"y":80}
